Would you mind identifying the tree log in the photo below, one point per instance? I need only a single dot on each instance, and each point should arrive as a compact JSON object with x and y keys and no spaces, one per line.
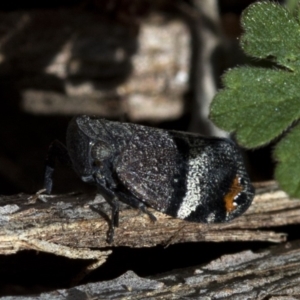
{"x":81,"y":221}
{"x":72,"y":224}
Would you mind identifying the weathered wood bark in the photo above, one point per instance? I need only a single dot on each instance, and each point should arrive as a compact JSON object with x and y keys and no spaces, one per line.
{"x":68,"y":62}
{"x":80,"y":221}
{"x":270,"y":274}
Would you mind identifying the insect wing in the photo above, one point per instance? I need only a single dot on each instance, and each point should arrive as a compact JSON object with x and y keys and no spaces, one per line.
{"x":115,"y":133}
{"x":148,"y":166}
{"x":218,"y":188}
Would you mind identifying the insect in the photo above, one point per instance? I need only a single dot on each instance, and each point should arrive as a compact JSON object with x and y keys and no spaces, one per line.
{"x":184,"y":175}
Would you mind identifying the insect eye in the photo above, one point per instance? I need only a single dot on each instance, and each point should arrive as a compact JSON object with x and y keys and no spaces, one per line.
{"x":100,"y":151}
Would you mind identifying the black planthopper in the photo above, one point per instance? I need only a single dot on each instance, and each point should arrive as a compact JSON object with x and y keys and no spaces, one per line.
{"x":184,"y":175}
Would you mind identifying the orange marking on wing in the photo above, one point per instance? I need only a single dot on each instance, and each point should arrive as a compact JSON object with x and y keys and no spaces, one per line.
{"x":234,"y":190}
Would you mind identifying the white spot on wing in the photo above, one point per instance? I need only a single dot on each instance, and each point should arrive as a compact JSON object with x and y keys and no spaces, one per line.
{"x":192,"y":198}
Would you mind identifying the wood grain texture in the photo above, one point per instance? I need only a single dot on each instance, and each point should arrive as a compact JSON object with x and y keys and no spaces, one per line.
{"x":270,"y":274}
{"x":80,"y":221}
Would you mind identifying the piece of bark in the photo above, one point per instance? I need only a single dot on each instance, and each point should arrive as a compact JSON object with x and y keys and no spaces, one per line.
{"x":81,"y":221}
{"x":270,"y":274}
{"x":65,"y":61}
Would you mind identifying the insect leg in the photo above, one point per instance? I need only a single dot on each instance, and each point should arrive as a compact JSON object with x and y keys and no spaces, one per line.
{"x":133,"y":202}
{"x":113,"y":201}
{"x":56,"y":151}
{"x":147,"y":212}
